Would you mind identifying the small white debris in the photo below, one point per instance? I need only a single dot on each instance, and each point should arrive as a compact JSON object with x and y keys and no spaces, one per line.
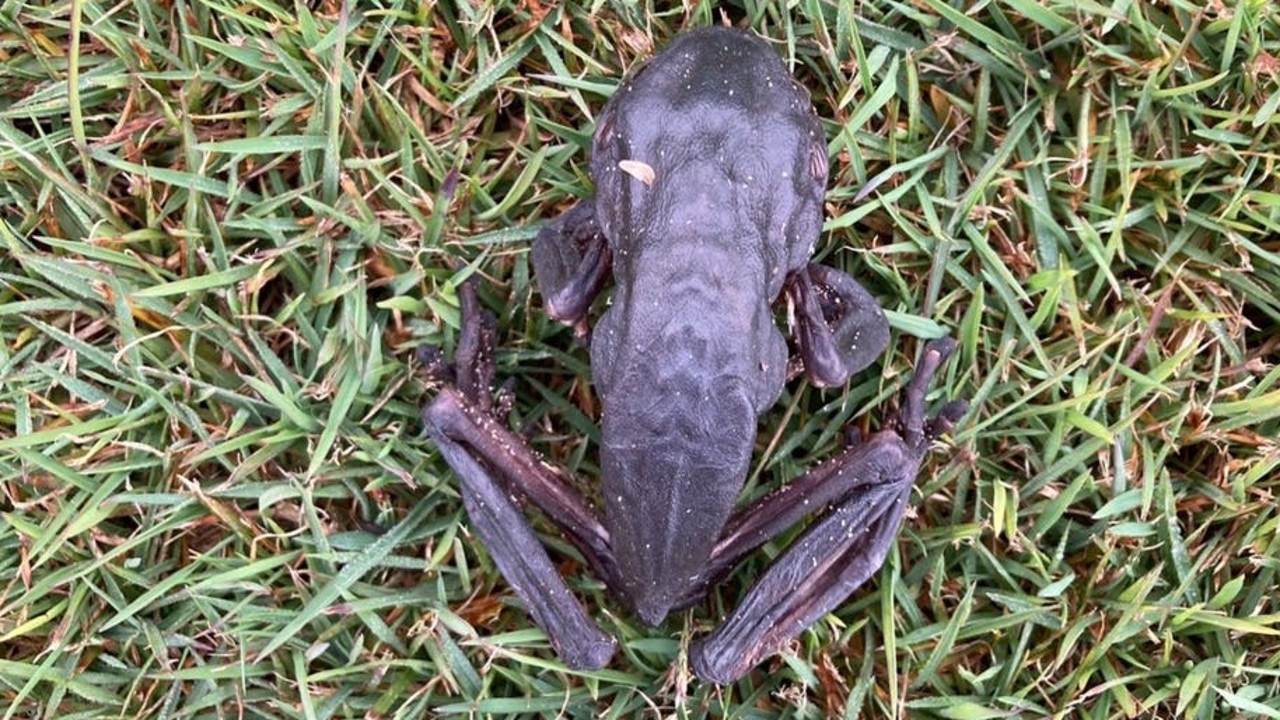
{"x":638,"y":170}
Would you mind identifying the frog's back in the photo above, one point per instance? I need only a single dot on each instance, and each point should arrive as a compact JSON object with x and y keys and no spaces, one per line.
{"x":710,"y":168}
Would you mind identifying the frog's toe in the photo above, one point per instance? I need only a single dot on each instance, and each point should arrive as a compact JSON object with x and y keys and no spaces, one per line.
{"x":946,"y":418}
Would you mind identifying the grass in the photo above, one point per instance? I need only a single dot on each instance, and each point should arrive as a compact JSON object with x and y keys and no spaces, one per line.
{"x":226,"y":226}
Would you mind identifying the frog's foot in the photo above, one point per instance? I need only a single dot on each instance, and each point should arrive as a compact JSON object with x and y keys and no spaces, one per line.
{"x":472,"y":371}
{"x":839,"y":326}
{"x":571,"y":260}
{"x":912,"y":424}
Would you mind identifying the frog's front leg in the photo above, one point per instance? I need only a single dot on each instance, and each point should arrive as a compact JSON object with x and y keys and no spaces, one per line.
{"x":492,"y":463}
{"x":839,"y":326}
{"x":865,"y":491}
{"x":571,"y":260}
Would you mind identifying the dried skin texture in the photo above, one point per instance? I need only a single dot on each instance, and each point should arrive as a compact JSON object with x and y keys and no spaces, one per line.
{"x":710,"y":168}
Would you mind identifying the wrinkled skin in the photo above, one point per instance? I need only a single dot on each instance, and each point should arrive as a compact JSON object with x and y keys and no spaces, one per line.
{"x":710,"y":168}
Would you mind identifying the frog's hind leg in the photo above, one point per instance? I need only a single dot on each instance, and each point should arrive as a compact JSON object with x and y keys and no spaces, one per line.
{"x":492,"y":463}
{"x":865,"y":491}
{"x":572,"y":261}
{"x":839,"y":326}
{"x":815,"y":575}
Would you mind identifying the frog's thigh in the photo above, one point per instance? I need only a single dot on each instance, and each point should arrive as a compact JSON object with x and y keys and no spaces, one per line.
{"x":511,"y":543}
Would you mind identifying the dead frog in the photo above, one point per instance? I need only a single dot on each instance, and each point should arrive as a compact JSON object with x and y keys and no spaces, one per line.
{"x":710,"y":167}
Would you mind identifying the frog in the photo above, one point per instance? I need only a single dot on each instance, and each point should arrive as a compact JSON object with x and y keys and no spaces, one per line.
{"x":710,"y":166}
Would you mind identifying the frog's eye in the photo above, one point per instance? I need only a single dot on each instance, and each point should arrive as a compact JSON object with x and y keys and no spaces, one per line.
{"x":818,"y":161}
{"x":638,"y":70}
{"x":604,"y":128}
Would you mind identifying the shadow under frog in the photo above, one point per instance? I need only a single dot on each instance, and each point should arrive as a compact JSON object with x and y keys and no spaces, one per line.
{"x":710,"y":167}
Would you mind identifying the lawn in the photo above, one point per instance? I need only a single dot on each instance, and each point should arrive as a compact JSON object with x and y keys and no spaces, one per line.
{"x":226,"y":227}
